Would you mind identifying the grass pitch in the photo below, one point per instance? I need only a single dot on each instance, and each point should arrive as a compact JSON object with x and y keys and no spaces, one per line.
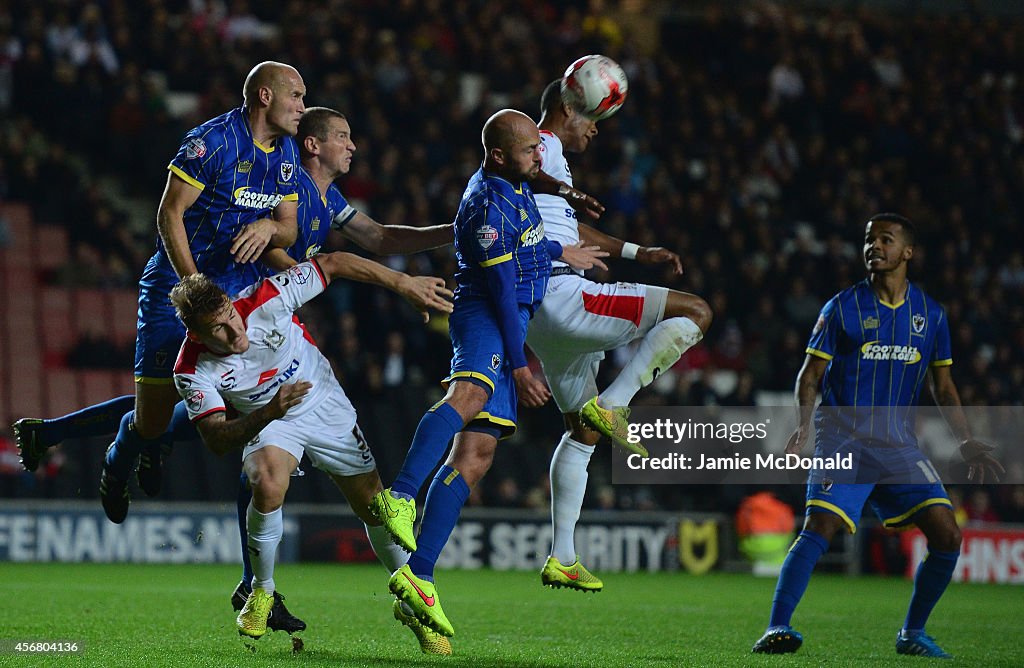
{"x":178,"y":616}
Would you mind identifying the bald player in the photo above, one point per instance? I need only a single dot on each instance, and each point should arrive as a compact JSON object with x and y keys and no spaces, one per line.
{"x":230,"y":194}
{"x":504,"y":262}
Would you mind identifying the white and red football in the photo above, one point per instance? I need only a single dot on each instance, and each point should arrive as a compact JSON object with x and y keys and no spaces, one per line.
{"x":595,"y":86}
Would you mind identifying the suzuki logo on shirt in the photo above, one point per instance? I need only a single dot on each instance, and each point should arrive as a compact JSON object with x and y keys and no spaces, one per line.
{"x":282,"y":378}
{"x":255,"y":200}
{"x":533,"y":235}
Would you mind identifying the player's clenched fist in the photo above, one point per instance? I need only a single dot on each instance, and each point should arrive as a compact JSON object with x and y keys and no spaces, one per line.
{"x":289,"y":396}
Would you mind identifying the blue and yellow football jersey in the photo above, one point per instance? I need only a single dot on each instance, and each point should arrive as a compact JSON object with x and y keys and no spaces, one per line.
{"x":241,"y":181}
{"x":499,"y":222}
{"x":878,"y":356}
{"x":315,"y":216}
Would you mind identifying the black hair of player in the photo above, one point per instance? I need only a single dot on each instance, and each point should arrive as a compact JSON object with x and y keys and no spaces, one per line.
{"x":909,"y":231}
{"x":315,"y":122}
{"x":551,"y":98}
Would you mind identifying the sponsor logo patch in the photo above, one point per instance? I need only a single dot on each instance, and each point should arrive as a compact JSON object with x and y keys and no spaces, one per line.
{"x":871,"y":323}
{"x":301,"y":273}
{"x":820,"y":324}
{"x":195,"y":148}
{"x":486,"y":235}
{"x":244,"y":167}
{"x":194,"y":399}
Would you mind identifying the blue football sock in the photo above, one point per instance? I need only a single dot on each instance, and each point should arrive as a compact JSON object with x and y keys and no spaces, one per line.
{"x":796,"y":573}
{"x":447,"y":494}
{"x":436,"y":430}
{"x":933,"y":576}
{"x":96,"y":420}
{"x":244,"y":497}
{"x":182,"y":428}
{"x":121,"y":458}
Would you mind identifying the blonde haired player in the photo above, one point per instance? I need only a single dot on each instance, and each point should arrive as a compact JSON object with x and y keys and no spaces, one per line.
{"x":579,"y":320}
{"x":253,"y":353}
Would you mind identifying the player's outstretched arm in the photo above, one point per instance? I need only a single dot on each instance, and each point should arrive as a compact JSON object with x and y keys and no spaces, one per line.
{"x":806,"y":393}
{"x":222,"y":436}
{"x":379,"y":239}
{"x":582,"y":203}
{"x":630,"y":251}
{"x":423,"y":292}
{"x":178,"y":196}
{"x":974,"y":452}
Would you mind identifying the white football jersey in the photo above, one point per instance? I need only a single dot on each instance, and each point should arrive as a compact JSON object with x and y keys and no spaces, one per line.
{"x":559,"y":218}
{"x":280,"y":351}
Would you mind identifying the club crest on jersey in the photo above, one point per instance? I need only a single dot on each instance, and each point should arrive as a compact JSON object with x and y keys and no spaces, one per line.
{"x":486,"y":235}
{"x":917,"y":322}
{"x":495,"y":361}
{"x":287,"y":170}
{"x":826,"y":484}
{"x":274,"y":341}
{"x":871,"y":323}
{"x":195,"y":148}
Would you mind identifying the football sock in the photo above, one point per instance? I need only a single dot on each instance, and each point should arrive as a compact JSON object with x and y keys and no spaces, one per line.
{"x":447,"y":494}
{"x":96,"y":420}
{"x":265,"y":531}
{"x":244,"y":498}
{"x":796,"y":573}
{"x":121,"y":458}
{"x":436,"y":430}
{"x":933,"y":576}
{"x":658,"y":351}
{"x":392,"y":556}
{"x":568,"y":487}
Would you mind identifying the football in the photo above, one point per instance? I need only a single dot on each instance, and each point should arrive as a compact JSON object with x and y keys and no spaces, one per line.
{"x":595,"y":86}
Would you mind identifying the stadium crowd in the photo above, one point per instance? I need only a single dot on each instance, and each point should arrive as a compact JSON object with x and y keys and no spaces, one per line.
{"x":755,"y":142}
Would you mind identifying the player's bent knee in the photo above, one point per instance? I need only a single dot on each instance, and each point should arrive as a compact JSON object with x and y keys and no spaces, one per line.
{"x":946,"y":539}
{"x":467,"y":399}
{"x":826,"y":524}
{"x":685,"y":305}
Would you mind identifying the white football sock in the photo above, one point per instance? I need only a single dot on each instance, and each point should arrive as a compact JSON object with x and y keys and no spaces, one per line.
{"x":391,"y":555}
{"x":658,"y":351}
{"x":568,"y":486}
{"x":265,"y":531}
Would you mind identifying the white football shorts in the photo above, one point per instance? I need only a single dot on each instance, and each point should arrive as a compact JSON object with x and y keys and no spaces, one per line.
{"x":328,"y":435}
{"x":578,"y":321}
